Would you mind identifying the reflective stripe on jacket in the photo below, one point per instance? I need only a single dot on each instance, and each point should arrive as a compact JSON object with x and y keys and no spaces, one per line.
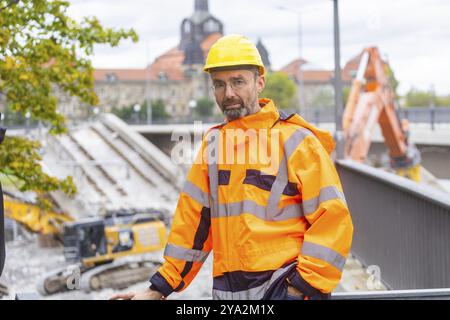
{"x":267,"y":218}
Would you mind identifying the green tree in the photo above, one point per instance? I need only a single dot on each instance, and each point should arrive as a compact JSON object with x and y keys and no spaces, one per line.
{"x":205,"y":107}
{"x":323,"y":98}
{"x":345,"y":94}
{"x":280,"y":89}
{"x":124,"y":113}
{"x":43,"y":49}
{"x":418,"y":98}
{"x":424,"y":98}
{"x":129,"y":114}
{"x":393,"y":82}
{"x":443,"y":101}
{"x":158,"y":110}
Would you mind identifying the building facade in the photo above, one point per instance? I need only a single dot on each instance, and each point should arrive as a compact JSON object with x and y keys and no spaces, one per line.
{"x":176,"y":77}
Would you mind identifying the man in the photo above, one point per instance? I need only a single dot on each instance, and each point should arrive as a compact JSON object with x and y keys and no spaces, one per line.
{"x":278,"y":229}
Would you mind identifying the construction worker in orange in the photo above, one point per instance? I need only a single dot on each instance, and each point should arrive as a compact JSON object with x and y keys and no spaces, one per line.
{"x":263,"y":196}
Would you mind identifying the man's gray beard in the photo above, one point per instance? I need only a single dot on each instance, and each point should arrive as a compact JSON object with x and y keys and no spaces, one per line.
{"x":233,"y":114}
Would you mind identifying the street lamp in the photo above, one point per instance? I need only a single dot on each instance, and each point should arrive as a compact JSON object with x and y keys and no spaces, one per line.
{"x":148,"y":98}
{"x":192,"y":105}
{"x":148,"y":80}
{"x":27,"y":122}
{"x":300,"y":48}
{"x":339,"y":134}
{"x":137,"y":109}
{"x":148,"y":93}
{"x":432,"y":105}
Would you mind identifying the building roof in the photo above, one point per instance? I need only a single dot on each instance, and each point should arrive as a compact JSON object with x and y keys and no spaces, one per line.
{"x":309,"y":73}
{"x":324,"y":76}
{"x":120,"y":74}
{"x":350,"y":68}
{"x":312,"y":73}
{"x":167,"y":66}
{"x":292,"y":68}
{"x":209,"y":41}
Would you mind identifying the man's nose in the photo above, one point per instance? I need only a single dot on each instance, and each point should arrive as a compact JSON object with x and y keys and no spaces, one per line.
{"x":229,"y":91}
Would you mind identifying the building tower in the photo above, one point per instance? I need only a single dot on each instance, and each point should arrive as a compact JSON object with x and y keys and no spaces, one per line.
{"x":195,"y":29}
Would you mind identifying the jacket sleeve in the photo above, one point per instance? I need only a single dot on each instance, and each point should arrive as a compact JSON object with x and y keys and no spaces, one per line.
{"x":189,"y":241}
{"x":328,"y":238}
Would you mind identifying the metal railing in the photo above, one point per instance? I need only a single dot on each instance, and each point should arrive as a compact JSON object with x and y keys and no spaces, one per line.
{"x":316,"y":114}
{"x":319,"y":114}
{"x":429,"y":115}
{"x":400,"y":226}
{"x":426,"y":114}
{"x":424,"y":294}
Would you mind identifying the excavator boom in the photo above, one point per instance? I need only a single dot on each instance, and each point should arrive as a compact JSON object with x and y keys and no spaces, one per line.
{"x":371,"y":101}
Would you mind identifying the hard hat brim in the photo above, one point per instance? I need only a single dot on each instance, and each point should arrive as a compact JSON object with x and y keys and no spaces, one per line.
{"x":262,"y":69}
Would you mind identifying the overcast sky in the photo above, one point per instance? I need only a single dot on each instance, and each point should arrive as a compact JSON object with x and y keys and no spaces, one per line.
{"x":414,"y":35}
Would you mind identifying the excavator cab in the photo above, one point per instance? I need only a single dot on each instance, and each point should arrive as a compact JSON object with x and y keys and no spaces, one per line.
{"x":94,"y":247}
{"x":101,"y":240}
{"x":84,"y":240}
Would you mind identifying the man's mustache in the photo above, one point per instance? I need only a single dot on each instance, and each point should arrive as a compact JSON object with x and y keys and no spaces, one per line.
{"x":231,"y":103}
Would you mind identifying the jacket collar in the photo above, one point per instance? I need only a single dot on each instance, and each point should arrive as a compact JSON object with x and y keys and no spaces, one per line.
{"x":263,"y":119}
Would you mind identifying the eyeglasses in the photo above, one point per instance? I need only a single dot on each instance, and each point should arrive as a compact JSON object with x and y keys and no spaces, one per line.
{"x":219,"y":87}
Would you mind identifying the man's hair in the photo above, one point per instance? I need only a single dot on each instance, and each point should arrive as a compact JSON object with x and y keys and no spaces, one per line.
{"x":249,"y":67}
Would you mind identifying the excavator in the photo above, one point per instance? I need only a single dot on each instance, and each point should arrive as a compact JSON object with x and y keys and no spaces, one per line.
{"x":93,"y":246}
{"x":372,"y":100}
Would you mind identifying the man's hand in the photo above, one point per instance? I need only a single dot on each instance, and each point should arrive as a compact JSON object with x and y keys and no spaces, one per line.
{"x":148,"y":294}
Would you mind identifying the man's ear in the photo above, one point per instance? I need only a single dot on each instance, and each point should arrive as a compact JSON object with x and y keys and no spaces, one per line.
{"x":260,"y":84}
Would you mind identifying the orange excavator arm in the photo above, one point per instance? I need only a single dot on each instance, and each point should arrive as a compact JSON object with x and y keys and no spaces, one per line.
{"x":371,"y":101}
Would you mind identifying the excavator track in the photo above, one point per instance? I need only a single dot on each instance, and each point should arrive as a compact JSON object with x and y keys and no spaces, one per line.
{"x":59,"y":280}
{"x":115,"y":275}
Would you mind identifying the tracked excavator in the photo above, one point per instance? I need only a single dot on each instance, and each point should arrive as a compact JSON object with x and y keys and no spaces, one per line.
{"x":371,"y":101}
{"x":93,"y":246}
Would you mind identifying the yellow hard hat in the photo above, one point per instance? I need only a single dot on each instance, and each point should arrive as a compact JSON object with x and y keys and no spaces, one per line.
{"x":233,"y":50}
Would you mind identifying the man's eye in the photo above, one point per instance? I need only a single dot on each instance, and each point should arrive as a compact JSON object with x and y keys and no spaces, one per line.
{"x":239,"y":82}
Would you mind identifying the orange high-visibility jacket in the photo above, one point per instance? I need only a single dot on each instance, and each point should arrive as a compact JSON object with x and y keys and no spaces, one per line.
{"x":268,"y":218}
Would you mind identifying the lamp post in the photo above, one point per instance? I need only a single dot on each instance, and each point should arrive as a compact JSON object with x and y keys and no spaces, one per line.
{"x":27,"y":122}
{"x":339,"y":134}
{"x":432,"y":106}
{"x":300,"y":49}
{"x":148,"y":98}
{"x":192,"y":106}
{"x":137,"y":109}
